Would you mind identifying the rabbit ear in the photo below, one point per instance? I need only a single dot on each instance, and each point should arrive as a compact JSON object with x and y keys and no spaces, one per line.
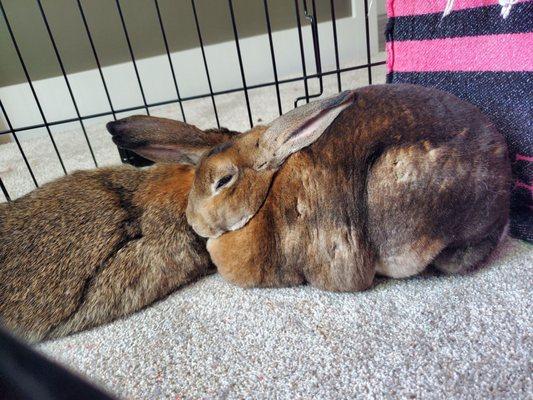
{"x":298,"y":129}
{"x":165,"y":140}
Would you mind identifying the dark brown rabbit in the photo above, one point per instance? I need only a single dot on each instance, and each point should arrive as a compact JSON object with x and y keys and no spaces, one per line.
{"x":384,"y":179}
{"x":96,"y":245}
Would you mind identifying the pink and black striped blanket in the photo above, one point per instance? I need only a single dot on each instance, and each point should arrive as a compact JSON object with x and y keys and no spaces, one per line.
{"x":482,"y":51}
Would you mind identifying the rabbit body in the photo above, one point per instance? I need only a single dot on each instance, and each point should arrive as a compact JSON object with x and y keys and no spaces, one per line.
{"x":403,"y":178}
{"x":94,"y":246}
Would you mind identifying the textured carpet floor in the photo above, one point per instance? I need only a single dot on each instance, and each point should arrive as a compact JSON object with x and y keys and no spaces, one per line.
{"x":466,"y":336}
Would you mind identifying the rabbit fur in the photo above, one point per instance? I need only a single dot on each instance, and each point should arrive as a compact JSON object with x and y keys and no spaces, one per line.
{"x":97,"y":245}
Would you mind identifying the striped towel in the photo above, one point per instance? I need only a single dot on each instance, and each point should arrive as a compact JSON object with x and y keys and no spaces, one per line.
{"x":481,"y":51}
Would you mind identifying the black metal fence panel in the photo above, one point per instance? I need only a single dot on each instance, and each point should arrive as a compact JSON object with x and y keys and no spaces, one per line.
{"x":305,"y":14}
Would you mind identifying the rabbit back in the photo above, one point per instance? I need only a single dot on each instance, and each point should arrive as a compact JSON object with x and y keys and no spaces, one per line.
{"x":430,"y":173}
{"x":95,"y":246}
{"x":55,"y":239}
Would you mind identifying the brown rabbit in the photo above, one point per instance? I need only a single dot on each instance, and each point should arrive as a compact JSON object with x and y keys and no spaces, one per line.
{"x":97,"y":245}
{"x":385,"y":179}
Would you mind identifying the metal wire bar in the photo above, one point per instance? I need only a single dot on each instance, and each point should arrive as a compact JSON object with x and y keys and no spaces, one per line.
{"x":272,"y":55}
{"x":27,"y":75}
{"x":236,"y":35}
{"x":313,"y":19}
{"x":121,"y":152}
{"x":200,"y":39}
{"x":96,"y":58}
{"x":335,"y":43}
{"x":130,"y":48}
{"x":4,"y":190}
{"x":163,"y":33}
{"x":67,"y":82}
{"x":8,"y":121}
{"x":367,"y":37}
{"x":201,"y":96}
{"x":245,"y":88}
{"x":316,"y":50}
{"x":302,"y":53}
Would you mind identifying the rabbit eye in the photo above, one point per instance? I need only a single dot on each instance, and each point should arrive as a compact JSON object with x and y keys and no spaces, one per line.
{"x":223,"y":181}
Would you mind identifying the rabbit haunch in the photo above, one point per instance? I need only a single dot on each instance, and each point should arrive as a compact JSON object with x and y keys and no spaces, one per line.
{"x":403,"y":177}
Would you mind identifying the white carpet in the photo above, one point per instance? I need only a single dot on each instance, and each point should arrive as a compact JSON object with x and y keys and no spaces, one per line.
{"x":429,"y":337}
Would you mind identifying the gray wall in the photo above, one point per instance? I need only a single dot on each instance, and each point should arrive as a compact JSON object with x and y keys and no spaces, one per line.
{"x":141,"y":20}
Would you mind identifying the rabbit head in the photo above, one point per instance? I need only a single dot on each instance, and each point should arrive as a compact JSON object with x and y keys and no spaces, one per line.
{"x":232,"y":179}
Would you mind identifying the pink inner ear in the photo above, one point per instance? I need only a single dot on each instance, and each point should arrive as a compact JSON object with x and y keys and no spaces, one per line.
{"x":154,"y":152}
{"x":312,"y":129}
{"x":309,"y":128}
{"x":169,"y":153}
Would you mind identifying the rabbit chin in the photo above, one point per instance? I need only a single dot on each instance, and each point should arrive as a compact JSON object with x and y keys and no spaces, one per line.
{"x":214,"y":234}
{"x":239,"y":224}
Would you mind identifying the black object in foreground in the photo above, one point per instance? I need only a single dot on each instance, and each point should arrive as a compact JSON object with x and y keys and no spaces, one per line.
{"x":25,"y":374}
